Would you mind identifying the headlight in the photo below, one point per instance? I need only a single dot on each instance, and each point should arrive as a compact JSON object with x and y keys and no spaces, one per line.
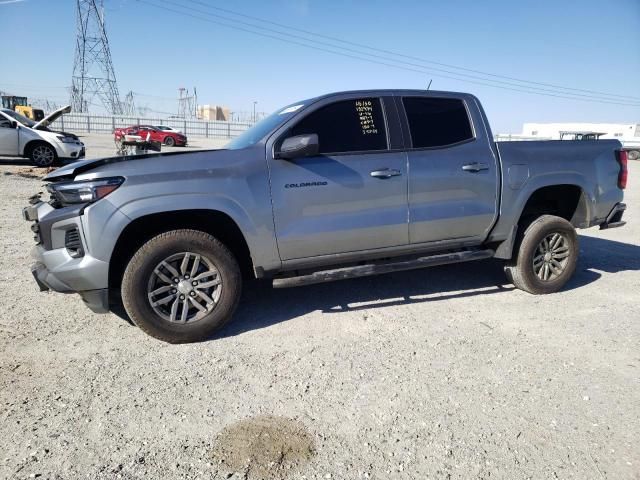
{"x":64,"y":139}
{"x":85,"y":191}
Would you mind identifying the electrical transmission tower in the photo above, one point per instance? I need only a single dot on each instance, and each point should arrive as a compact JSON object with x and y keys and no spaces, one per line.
{"x":129,"y":105}
{"x":187,"y":104}
{"x":93,"y":74}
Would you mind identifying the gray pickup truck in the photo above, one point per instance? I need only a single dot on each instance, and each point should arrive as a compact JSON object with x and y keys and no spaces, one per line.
{"x":339,"y":186}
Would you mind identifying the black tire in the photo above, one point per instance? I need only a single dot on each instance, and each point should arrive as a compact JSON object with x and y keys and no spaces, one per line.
{"x":42,"y":154}
{"x":139,"y":273}
{"x":169,"y":141}
{"x":521,"y":270}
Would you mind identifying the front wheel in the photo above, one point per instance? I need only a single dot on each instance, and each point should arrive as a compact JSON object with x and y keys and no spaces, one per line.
{"x":547,"y":256}
{"x":169,"y":141}
{"x":42,"y":155}
{"x":181,"y":286}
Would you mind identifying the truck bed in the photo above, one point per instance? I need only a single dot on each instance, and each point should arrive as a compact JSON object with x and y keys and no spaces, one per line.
{"x":530,"y":165}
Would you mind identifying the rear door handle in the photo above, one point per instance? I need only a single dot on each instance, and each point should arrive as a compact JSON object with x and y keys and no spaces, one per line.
{"x":475,"y":167}
{"x":385,"y":173}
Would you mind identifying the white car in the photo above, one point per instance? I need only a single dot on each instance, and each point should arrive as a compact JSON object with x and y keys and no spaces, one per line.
{"x":167,"y":129}
{"x":22,"y":137}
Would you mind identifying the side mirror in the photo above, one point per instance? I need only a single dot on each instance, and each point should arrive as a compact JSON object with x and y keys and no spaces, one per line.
{"x":14,"y":124}
{"x":299,"y":146}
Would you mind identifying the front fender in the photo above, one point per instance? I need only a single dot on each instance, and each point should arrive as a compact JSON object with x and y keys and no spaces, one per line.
{"x":105,"y":222}
{"x":257,"y":231}
{"x":194,"y":201}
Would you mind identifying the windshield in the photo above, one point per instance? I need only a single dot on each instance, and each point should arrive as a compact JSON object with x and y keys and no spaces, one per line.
{"x":16,"y":116}
{"x":263,"y":127}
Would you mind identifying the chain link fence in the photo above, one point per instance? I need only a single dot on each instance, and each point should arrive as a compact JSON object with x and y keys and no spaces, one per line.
{"x":88,"y":123}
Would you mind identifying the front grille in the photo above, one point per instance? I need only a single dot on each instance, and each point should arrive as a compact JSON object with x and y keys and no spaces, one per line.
{"x":73,"y":243}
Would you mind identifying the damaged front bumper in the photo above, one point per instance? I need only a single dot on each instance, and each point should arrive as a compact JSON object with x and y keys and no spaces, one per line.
{"x":57,"y":271}
{"x":61,"y":261}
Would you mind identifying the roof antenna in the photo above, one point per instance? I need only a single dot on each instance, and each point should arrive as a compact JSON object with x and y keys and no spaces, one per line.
{"x":429,"y":86}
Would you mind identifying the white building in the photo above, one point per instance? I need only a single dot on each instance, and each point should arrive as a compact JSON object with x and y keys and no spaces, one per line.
{"x":213,"y":112}
{"x":623,"y":132}
{"x":628,"y":134}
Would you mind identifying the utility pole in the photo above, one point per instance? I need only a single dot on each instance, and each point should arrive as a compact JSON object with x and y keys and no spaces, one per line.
{"x":93,"y":73}
{"x":195,"y":103}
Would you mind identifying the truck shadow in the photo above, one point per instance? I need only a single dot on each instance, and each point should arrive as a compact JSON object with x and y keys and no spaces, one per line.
{"x":263,"y":306}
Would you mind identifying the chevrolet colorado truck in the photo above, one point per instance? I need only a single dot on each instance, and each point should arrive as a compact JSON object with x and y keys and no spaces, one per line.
{"x":343,"y":185}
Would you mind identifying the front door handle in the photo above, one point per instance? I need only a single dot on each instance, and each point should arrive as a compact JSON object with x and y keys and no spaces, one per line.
{"x":475,"y":167}
{"x":385,"y":173}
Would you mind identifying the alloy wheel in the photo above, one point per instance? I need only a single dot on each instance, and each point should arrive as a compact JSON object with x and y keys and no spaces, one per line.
{"x":551,"y":257}
{"x":184,"y":287}
{"x":43,"y":156}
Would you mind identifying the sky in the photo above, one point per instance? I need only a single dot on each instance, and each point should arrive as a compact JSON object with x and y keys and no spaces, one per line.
{"x":589,"y":45}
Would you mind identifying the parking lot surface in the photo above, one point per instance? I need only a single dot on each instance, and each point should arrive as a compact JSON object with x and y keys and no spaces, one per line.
{"x":100,"y":145}
{"x":443,"y":373}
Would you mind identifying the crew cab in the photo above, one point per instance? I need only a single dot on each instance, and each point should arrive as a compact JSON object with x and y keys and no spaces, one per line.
{"x":23,"y":137}
{"x":166,"y":137}
{"x":339,"y":186}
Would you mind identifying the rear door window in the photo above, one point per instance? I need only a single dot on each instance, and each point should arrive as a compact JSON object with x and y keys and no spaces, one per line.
{"x":355,"y":125}
{"x":437,"y":122}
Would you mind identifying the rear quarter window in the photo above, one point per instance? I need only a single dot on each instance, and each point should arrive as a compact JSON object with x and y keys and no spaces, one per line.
{"x":437,"y":122}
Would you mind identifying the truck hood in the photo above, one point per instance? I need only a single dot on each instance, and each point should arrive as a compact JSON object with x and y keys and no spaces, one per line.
{"x":52,"y":117}
{"x":69,"y":172}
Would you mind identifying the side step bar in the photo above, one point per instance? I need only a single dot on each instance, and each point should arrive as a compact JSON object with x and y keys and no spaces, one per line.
{"x":379,"y":268}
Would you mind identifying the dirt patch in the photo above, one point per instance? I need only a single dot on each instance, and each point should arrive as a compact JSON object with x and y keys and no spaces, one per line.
{"x":263,"y":447}
{"x":31,"y":172}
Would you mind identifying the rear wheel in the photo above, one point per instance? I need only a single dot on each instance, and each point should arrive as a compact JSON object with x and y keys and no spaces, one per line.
{"x":546,"y":257}
{"x":181,"y":286}
{"x":42,"y":154}
{"x":169,"y":141}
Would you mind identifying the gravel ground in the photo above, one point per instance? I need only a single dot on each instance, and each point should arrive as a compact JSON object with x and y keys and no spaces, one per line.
{"x":102,"y":145}
{"x":445,"y":373}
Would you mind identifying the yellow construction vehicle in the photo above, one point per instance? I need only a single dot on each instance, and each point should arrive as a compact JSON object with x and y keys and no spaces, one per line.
{"x":21,"y":106}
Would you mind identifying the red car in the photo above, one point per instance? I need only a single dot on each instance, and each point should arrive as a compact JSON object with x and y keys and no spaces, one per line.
{"x":167,"y":138}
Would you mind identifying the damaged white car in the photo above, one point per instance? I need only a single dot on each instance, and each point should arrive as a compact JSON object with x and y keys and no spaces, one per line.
{"x":22,"y":137}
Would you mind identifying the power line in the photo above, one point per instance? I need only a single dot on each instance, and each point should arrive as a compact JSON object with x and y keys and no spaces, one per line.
{"x":419,"y":68}
{"x":389,"y":52}
{"x":474,"y":77}
{"x":35,"y":86}
{"x":171,"y":99}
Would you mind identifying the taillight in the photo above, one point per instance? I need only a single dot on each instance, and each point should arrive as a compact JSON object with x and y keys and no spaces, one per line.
{"x":624,"y":171}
